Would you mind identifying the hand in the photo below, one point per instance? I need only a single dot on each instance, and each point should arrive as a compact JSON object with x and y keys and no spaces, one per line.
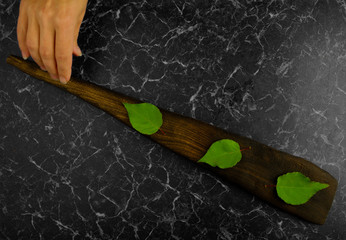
{"x":47,"y":31}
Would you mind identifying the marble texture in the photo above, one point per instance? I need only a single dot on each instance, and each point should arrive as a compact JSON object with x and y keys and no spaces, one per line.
{"x":274,"y":71}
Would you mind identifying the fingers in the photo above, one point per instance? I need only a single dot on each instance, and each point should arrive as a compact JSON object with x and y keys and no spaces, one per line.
{"x":76,"y":50}
{"x":22,"y":26}
{"x":63,"y":52}
{"x":47,"y":45}
{"x":48,"y":32}
{"x":33,"y":41}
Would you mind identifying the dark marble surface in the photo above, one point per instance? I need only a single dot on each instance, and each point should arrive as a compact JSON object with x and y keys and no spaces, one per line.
{"x":273,"y":71}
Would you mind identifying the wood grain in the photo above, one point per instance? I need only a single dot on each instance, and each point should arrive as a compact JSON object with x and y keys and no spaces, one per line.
{"x":191,"y":138}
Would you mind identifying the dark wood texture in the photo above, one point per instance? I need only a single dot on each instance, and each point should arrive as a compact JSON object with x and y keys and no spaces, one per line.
{"x":191,"y":138}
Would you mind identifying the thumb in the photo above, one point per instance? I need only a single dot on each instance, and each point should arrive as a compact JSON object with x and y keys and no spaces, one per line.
{"x":76,"y":50}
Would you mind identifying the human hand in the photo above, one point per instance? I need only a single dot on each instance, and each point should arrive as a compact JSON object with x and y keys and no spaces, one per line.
{"x":47,"y":30}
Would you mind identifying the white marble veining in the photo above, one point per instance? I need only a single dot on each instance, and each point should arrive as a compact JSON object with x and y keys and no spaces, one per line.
{"x":273,"y":71}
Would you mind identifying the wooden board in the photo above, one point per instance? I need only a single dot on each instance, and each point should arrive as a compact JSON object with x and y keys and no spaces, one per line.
{"x":191,"y":138}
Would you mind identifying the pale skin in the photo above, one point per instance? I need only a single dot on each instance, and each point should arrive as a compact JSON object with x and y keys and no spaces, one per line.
{"x":47,"y":30}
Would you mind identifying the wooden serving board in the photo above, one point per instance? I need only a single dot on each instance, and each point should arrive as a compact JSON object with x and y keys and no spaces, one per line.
{"x":260,"y":166}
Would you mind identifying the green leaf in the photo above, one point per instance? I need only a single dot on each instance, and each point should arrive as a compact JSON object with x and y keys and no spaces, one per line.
{"x":144,"y":117}
{"x":295,"y":188}
{"x":224,"y":153}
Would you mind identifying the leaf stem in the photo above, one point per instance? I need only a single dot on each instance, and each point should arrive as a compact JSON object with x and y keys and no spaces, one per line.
{"x":162,"y":131}
{"x":248,"y":148}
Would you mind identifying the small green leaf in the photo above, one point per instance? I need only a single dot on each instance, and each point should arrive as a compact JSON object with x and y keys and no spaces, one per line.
{"x":295,"y":188}
{"x":144,"y":117}
{"x":224,"y":153}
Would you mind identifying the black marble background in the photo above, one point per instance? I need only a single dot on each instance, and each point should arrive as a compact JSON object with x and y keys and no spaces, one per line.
{"x":273,"y":71}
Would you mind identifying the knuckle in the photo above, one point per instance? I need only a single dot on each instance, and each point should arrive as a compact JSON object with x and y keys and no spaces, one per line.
{"x":32,"y":46}
{"x":61,"y":57}
{"x":40,"y":13}
{"x":46,"y":53}
{"x":26,"y":7}
{"x":63,"y":21}
{"x":45,"y":13}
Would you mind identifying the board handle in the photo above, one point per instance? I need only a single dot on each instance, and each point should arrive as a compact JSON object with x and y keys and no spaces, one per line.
{"x":259,"y":167}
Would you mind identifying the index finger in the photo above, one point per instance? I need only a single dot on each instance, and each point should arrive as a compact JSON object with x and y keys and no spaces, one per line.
{"x":63,"y":52}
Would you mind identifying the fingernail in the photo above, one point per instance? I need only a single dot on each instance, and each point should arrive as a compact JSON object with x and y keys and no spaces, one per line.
{"x":63,"y":80}
{"x":43,"y":68}
{"x":78,"y":51}
{"x":25,"y":56}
